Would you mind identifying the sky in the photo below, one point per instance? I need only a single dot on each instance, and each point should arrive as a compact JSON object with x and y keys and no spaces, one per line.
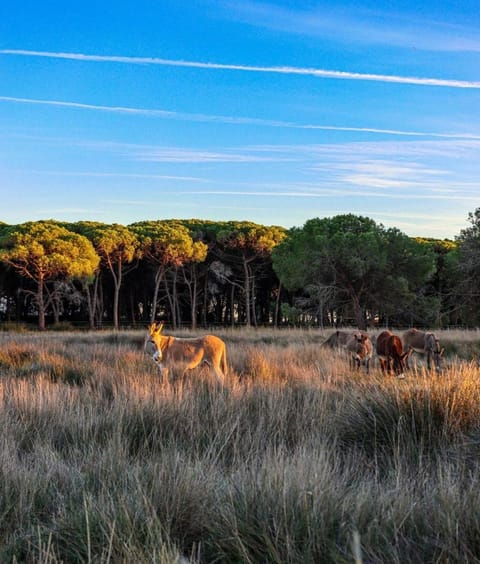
{"x":274,"y":112}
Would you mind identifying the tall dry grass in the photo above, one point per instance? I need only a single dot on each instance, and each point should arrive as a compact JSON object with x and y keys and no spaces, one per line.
{"x":295,"y":459}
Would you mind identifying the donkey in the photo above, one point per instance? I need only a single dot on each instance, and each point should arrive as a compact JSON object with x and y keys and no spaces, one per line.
{"x":337,"y":340}
{"x":424,"y":343}
{"x":359,"y":349}
{"x":168,"y":351}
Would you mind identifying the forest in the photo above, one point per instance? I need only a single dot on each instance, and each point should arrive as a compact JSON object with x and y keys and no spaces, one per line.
{"x":343,"y":270}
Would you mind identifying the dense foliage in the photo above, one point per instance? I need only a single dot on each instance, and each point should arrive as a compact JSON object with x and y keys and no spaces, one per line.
{"x":369,"y":270}
{"x":341,"y":270}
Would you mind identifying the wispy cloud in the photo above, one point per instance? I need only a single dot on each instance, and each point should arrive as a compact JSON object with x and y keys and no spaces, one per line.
{"x":80,"y":106}
{"x":178,"y":155}
{"x":289,"y":70}
{"x":118,"y":175}
{"x":345,"y":170}
{"x":174,"y":197}
{"x":389,"y":174}
{"x":357,"y":25}
{"x":359,"y":150}
{"x":407,"y":158}
{"x":232,"y":120}
{"x":395,"y":168}
{"x":295,"y":192}
{"x":138,"y":152}
{"x":50,"y":212}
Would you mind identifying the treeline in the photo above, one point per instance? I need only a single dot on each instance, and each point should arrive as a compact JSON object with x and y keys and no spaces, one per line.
{"x":333,"y":271}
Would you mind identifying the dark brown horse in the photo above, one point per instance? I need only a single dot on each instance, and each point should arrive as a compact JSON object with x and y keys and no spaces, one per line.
{"x":391,"y":354}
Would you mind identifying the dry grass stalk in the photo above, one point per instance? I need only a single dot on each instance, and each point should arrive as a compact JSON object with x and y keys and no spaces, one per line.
{"x":104,"y":460}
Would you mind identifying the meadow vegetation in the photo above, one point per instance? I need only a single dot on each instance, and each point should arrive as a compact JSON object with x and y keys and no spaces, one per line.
{"x":296,"y":459}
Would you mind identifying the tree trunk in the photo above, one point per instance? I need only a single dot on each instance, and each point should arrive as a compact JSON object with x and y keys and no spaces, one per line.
{"x":193,"y":297}
{"x":133,"y":315}
{"x":53,"y":301}
{"x":246,"y":288}
{"x":205,"y":301}
{"x":56,"y":304}
{"x":173,"y":317}
{"x":359,"y":313}
{"x":41,"y":305}
{"x":232,"y":305}
{"x":56,"y":311}
{"x":158,"y":280}
{"x":277,"y":305}
{"x":253,"y":302}
{"x":117,"y":279}
{"x":100,"y":306}
{"x":176,"y":306}
{"x":92,"y":300}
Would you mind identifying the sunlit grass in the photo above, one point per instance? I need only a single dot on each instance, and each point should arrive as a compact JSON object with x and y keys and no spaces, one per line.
{"x":104,"y":460}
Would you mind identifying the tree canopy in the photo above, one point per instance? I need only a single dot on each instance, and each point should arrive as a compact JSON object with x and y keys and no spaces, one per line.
{"x":463,"y":270}
{"x":118,"y":247}
{"x":44,"y":252}
{"x":340,"y":270}
{"x":353,"y":261}
{"x":167,"y":245}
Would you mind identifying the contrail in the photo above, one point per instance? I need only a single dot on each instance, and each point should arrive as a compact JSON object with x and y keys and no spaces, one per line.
{"x":78,"y":105}
{"x":167,"y":114}
{"x":320,"y":73}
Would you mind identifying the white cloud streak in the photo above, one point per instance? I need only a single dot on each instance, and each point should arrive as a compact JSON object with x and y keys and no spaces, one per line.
{"x":232,"y":120}
{"x":77,"y":105}
{"x":358,"y":24}
{"x":327,"y":193}
{"x":120,"y":175}
{"x":389,"y":174}
{"x":176,"y":155}
{"x":289,"y":70}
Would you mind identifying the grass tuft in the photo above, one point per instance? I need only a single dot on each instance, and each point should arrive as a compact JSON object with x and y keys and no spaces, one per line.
{"x":295,"y":459}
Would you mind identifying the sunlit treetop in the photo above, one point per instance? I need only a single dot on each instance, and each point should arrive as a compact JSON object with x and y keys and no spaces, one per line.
{"x":45,"y":250}
{"x":168,"y":242}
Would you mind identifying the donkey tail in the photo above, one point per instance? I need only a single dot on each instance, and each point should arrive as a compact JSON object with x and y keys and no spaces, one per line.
{"x":224,"y":360}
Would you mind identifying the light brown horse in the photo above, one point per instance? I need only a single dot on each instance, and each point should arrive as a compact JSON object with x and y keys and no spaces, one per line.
{"x":168,"y":351}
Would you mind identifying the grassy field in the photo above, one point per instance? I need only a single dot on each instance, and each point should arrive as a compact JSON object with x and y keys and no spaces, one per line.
{"x":296,"y":459}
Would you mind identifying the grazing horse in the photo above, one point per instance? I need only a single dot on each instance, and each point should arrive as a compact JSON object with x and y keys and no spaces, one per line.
{"x":424,"y":343}
{"x":391,"y":354}
{"x":187,"y":352}
{"x":359,"y":349}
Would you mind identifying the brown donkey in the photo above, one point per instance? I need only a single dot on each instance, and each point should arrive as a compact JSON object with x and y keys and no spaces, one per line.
{"x":359,"y":349}
{"x":188,"y":353}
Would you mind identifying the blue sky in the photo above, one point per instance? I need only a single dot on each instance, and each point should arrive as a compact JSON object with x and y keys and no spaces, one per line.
{"x":273,"y":112}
